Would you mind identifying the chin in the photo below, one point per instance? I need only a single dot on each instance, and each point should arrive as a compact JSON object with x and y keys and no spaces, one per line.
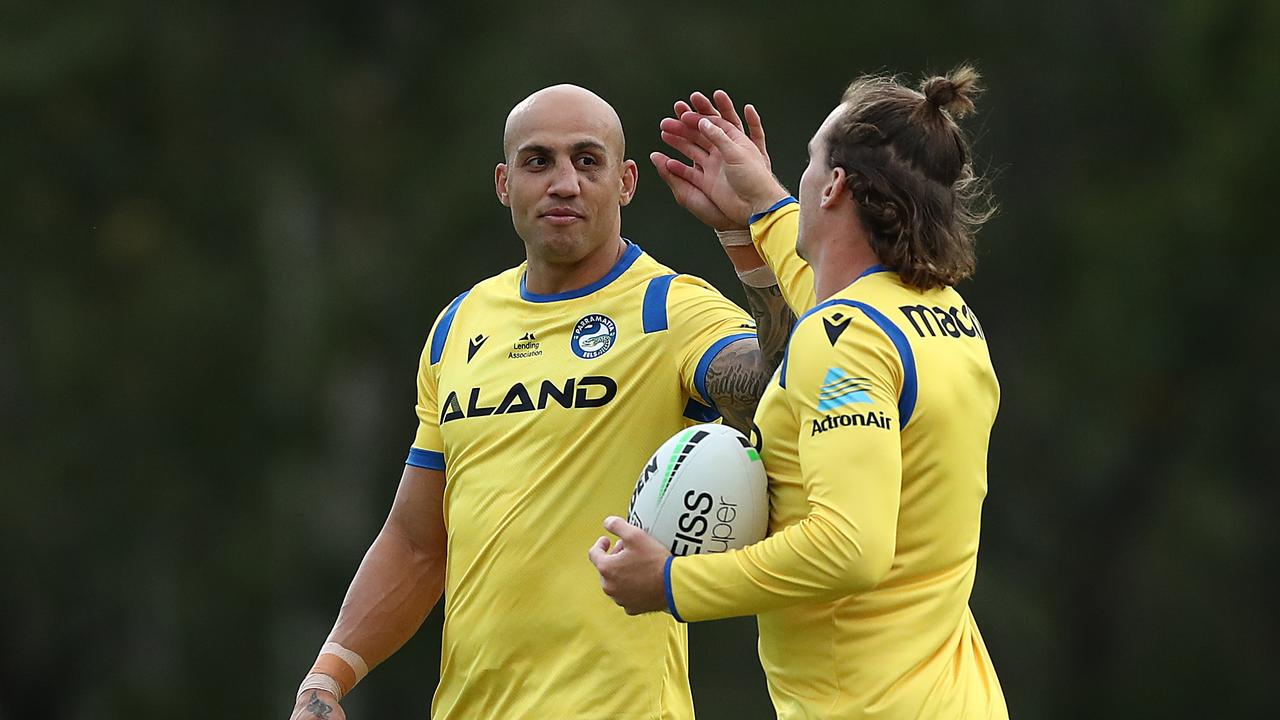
{"x":561,"y":247}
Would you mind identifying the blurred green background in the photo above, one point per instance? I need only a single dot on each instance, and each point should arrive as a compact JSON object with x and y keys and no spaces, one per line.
{"x":225,"y":230}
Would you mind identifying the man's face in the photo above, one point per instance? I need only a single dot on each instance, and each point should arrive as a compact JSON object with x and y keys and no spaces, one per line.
{"x":813,"y":183}
{"x":565,"y":179}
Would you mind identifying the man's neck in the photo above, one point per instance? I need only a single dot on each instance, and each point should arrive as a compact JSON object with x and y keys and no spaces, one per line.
{"x":547,"y":278}
{"x":838,"y":263}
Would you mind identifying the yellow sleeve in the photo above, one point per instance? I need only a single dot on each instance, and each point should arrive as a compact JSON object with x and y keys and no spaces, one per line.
{"x":702,"y":322}
{"x":845,"y":395}
{"x":428,"y":445}
{"x":774,"y":233}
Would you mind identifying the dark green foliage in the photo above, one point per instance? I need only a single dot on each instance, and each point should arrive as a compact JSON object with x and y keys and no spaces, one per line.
{"x":226,"y":228}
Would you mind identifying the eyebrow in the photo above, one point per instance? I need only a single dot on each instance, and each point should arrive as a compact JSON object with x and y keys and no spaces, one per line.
{"x":576,"y":147}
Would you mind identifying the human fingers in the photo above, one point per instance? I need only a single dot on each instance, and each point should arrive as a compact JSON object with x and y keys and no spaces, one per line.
{"x":662,"y":163}
{"x":702,"y":105}
{"x":629,"y":533}
{"x":755,"y":128}
{"x":681,"y":107}
{"x":599,"y":550}
{"x":686,"y":127}
{"x":725,"y":105}
{"x":681,"y":173}
{"x":718,"y":134}
{"x":687,"y":147}
{"x":681,"y":178}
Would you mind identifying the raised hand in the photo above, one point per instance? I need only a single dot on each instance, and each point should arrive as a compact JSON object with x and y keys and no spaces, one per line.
{"x":721,"y":105}
{"x":723,"y":185}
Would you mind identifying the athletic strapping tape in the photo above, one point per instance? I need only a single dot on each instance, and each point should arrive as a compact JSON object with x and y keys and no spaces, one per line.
{"x":337,"y":670}
{"x":734,"y":238}
{"x":761,"y":277}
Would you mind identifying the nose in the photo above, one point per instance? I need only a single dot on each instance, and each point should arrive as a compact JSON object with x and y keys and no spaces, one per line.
{"x":564,"y":182}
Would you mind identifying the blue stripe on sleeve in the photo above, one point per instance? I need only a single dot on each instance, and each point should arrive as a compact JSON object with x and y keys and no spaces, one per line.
{"x":699,"y":412}
{"x":776,"y":206}
{"x":666,"y":582}
{"x":907,"y":399}
{"x":655,"y":304}
{"x":442,"y":329}
{"x":786,"y":352}
{"x":700,"y":375}
{"x":429,"y":459}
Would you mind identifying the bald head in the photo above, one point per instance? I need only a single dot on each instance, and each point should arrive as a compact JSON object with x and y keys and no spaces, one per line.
{"x":560,"y":109}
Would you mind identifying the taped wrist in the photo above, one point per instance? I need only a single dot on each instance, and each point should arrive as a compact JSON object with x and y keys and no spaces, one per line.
{"x":734,"y":238}
{"x":760,"y":277}
{"x":336,"y":670}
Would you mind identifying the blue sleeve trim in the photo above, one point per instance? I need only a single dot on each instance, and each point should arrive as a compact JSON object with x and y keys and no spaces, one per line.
{"x":910,"y":389}
{"x":666,"y":582}
{"x":429,"y":459}
{"x":442,"y":328}
{"x":655,"y":304}
{"x":629,"y":256}
{"x":786,"y":352}
{"x":700,"y":375}
{"x":776,"y":206}
{"x":700,"y":413}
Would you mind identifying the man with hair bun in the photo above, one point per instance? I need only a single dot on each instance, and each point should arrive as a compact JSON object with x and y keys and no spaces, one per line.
{"x":861,"y":588}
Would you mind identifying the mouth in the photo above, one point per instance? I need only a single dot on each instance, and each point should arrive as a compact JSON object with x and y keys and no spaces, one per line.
{"x":561,"y":216}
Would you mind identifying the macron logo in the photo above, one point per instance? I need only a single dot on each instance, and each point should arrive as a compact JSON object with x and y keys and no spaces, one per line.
{"x":473,"y":346}
{"x":840,"y":389}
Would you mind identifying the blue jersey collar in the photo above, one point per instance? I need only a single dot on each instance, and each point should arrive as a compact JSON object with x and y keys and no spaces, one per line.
{"x":632,"y":252}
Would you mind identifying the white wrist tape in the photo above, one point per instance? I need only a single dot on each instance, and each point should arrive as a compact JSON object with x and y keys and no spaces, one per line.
{"x":760,"y":277}
{"x":320,"y":681}
{"x":350,"y":657}
{"x":322,"y":673}
{"x":734,"y":238}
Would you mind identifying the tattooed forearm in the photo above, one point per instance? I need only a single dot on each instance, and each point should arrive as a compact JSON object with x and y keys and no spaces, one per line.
{"x":774,"y":321}
{"x":318,"y":707}
{"x":735,"y":381}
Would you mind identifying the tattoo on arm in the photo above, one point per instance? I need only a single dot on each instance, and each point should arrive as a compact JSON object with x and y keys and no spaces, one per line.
{"x":318,"y":707}
{"x":735,"y":381}
{"x":774,"y":321}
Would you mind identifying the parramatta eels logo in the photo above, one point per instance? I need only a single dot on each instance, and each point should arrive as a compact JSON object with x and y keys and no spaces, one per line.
{"x":593,"y":336}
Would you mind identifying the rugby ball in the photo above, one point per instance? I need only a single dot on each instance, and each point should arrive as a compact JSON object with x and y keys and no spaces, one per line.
{"x":703,"y":491}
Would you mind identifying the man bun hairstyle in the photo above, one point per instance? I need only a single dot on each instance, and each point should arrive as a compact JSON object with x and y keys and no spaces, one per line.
{"x":909,"y":169}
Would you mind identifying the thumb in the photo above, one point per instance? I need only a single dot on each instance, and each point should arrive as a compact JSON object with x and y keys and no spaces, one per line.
{"x":717,"y":136}
{"x":623,"y":529}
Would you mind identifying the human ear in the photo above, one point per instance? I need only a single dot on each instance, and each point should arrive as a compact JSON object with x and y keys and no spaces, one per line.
{"x":630,"y":177}
{"x":500,"y":184}
{"x":835,"y":188}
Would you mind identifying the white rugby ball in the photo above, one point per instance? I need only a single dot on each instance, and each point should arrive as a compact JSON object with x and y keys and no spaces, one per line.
{"x":703,"y":491}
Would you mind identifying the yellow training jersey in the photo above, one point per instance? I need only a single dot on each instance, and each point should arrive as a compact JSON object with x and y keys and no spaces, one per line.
{"x":541,"y":410}
{"x":774,"y":234}
{"x":875,"y":433}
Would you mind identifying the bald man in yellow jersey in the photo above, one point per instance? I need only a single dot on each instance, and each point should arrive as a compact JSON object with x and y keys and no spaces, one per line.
{"x":875,"y":428}
{"x":541,"y":392}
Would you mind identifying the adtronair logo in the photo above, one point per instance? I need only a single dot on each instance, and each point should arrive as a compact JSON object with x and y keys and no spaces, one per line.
{"x":839,"y":388}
